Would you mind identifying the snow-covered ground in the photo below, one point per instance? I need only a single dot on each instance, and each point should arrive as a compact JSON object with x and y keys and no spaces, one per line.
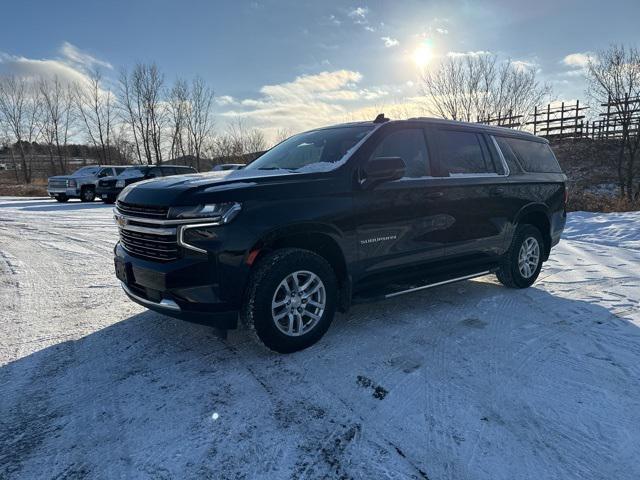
{"x":467,"y":381}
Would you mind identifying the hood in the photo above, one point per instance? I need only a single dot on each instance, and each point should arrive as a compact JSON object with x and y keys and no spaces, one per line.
{"x":61,"y":177}
{"x":211,"y":186}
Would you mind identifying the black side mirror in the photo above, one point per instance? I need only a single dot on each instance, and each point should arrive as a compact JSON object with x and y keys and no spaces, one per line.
{"x":383,"y":169}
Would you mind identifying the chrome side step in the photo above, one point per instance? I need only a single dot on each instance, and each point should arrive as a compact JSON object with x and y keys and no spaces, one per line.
{"x":437,"y":284}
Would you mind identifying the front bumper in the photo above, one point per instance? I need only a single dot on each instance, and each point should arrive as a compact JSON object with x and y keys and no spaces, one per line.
{"x":67,"y":192}
{"x":108,"y":192}
{"x":187,"y":288}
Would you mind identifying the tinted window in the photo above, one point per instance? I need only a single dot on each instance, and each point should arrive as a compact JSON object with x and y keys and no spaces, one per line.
{"x":462,"y":153}
{"x":119,"y":170}
{"x":534,"y":156}
{"x":154,"y":172}
{"x":105,"y":172}
{"x":408,"y":144}
{"x":166,"y":171}
{"x":509,"y":156}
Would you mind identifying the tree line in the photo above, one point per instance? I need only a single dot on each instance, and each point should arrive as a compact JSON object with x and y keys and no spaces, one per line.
{"x":138,"y":118}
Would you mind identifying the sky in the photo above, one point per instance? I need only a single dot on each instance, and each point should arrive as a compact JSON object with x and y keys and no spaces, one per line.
{"x":296,"y":64}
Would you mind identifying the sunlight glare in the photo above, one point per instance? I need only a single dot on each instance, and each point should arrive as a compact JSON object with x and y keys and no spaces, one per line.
{"x":422,"y":55}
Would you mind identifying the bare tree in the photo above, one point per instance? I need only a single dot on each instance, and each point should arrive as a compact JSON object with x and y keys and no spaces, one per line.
{"x":139,"y":96}
{"x":95,"y":107}
{"x":237,"y":142}
{"x":56,"y":118}
{"x":282,"y":134}
{"x":178,"y":110}
{"x":613,"y":76}
{"x":199,"y":120}
{"x":20,"y":108}
{"x":469,"y":87}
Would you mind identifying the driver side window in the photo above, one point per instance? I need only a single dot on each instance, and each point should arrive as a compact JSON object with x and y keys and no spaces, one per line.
{"x":408,"y":144}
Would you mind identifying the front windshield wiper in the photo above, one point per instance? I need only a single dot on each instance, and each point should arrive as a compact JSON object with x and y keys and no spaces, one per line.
{"x":275,"y":168}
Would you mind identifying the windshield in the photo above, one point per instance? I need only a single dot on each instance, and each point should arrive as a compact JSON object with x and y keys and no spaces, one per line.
{"x":87,"y":171}
{"x":133,"y":172}
{"x":319,"y":148}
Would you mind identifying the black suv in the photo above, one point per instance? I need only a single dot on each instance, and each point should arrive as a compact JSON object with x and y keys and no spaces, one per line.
{"x":109,"y":188}
{"x":337,"y":215}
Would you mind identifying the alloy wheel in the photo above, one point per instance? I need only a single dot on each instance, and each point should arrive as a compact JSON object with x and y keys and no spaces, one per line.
{"x":528,"y":257}
{"x":298,"y":303}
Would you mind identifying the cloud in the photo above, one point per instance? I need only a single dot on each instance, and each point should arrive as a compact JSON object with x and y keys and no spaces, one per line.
{"x":72,"y":66}
{"x":390,"y":42}
{"x":442,"y":31}
{"x":477,"y":53}
{"x":578,"y":60}
{"x":307,"y":102}
{"x":524,"y":65}
{"x":224,"y":100}
{"x":359,"y":12}
{"x":76,"y":56}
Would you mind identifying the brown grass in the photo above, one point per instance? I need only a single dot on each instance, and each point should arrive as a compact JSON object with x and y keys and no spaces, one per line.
{"x":38,"y":188}
{"x":589,"y":202}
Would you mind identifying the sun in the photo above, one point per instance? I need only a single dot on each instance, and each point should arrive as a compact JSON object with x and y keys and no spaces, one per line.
{"x":422,"y":55}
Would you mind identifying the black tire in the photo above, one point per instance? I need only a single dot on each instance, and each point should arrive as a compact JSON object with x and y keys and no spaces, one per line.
{"x":87,"y":194}
{"x":62,"y":198}
{"x":109,"y":200}
{"x":509,"y":273}
{"x":264,"y":282}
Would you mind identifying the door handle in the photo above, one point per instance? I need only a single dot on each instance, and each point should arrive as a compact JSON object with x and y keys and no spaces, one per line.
{"x":437,"y":194}
{"x":496,"y":191}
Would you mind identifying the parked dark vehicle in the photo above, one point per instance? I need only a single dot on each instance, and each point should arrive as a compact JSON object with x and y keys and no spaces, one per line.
{"x":81,"y":183}
{"x":109,"y":188}
{"x":338,"y":215}
{"x":227,"y":166}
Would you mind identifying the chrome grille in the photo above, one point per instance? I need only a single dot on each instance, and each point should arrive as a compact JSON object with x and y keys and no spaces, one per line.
{"x":145,"y":211}
{"x":57,"y":183}
{"x":143,"y":234}
{"x":139,"y":241}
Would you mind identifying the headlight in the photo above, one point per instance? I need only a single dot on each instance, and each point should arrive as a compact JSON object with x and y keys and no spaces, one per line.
{"x":71,"y":183}
{"x":120,"y":184}
{"x":222,"y":212}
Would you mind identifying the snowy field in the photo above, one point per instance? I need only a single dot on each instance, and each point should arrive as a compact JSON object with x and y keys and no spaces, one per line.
{"x":467,"y":381}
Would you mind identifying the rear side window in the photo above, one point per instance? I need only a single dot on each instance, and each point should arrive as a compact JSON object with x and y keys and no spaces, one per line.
{"x":154,"y":172}
{"x":408,"y":144}
{"x":166,"y":171}
{"x":534,"y":156}
{"x":119,"y":170}
{"x":462,"y":153}
{"x":509,"y":156}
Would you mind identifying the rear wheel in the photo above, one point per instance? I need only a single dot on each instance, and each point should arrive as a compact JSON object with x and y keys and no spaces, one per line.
{"x":62,"y":198}
{"x":87,"y":194}
{"x":291,"y":299}
{"x":522,"y":263}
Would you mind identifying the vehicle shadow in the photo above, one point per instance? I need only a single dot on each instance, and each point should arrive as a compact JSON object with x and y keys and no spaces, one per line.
{"x":474,"y":381}
{"x":52,"y":205}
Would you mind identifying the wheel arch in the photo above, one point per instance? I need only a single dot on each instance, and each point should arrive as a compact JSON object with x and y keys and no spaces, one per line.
{"x":320,"y":239}
{"x":537,"y":214}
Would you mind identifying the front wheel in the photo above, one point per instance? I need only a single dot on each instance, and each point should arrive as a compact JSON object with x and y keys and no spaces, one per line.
{"x":522,"y":263}
{"x":291,"y":299}
{"x":87,"y":195}
{"x":62,"y":198}
{"x":109,"y":200}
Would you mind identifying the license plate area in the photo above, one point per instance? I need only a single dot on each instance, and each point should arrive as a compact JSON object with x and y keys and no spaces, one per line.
{"x":122,"y":272}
